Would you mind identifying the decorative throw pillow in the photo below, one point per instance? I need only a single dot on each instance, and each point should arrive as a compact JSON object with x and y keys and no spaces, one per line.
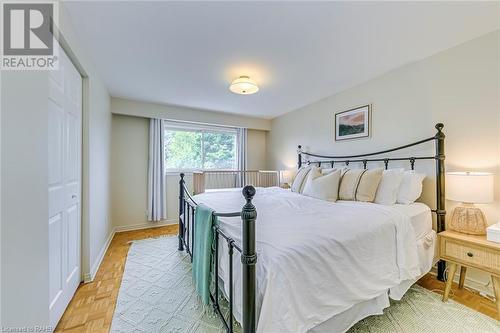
{"x":349,"y":183}
{"x":368,"y":185}
{"x":297,"y":185}
{"x":359,"y":184}
{"x":411,"y":187}
{"x":324,"y":187}
{"x":387,"y":192}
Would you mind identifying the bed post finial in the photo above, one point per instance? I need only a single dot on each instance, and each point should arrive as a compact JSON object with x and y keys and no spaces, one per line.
{"x":248,"y":260}
{"x":440,"y":190}
{"x":248,"y":193}
{"x":181,"y":208}
{"x":299,"y":154}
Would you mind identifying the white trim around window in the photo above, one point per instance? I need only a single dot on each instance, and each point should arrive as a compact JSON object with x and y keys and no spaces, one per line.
{"x":202,"y":128}
{"x":180,"y":125}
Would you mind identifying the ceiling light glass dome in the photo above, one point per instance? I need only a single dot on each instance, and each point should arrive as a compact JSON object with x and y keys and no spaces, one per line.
{"x":244,"y":86}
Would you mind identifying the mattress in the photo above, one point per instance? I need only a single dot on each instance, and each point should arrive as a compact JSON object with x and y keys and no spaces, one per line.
{"x":341,"y":322}
{"x":315,"y":248}
{"x":420,"y":217}
{"x":419,"y":214}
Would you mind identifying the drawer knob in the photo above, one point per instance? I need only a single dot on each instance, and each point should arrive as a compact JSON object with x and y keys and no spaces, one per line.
{"x":470,"y":254}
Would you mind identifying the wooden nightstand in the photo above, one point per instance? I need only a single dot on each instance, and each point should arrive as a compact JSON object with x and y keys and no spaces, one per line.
{"x":470,"y":251}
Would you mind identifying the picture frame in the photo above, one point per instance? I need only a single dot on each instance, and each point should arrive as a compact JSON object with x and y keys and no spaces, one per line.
{"x":353,"y":123}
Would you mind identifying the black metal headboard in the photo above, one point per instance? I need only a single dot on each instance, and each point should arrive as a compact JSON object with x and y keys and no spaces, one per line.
{"x":439,"y":157}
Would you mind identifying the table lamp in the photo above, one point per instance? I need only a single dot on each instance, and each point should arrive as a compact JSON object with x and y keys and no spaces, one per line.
{"x":286,"y":177}
{"x":469,"y":188}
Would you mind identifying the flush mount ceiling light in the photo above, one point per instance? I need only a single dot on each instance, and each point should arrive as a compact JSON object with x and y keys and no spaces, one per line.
{"x":244,"y":86}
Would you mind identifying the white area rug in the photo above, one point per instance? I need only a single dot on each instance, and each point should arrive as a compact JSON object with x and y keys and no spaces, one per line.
{"x":157,"y":295}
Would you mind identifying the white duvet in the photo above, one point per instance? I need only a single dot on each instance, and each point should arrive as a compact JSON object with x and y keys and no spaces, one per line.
{"x":316,"y":259}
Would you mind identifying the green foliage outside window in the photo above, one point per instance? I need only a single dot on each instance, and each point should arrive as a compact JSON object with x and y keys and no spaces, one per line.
{"x":200,"y":149}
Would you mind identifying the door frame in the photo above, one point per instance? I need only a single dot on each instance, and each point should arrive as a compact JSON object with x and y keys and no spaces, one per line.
{"x":85,"y":266}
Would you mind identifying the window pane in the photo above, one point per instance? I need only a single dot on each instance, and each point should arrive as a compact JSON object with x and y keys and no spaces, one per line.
{"x":220,"y":150}
{"x":183,"y":149}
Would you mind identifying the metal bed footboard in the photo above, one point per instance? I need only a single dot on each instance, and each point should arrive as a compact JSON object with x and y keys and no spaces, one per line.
{"x":248,"y":214}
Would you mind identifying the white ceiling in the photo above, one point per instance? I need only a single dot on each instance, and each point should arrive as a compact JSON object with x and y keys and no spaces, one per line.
{"x":187,"y":53}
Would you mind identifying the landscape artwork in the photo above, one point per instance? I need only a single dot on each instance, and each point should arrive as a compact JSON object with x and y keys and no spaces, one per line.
{"x":353,"y":123}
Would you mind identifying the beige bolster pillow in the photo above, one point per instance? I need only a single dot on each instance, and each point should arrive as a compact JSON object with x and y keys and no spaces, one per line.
{"x":360,"y":185}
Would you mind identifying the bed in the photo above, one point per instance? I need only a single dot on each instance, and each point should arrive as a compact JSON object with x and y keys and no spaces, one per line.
{"x":309,"y":265}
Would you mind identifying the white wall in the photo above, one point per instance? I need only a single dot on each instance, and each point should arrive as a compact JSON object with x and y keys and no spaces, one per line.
{"x":170,"y":112}
{"x":98,"y":180}
{"x":459,"y":87}
{"x":129,"y":156}
{"x":129,"y":162}
{"x":24,"y":215}
{"x":256,"y":150}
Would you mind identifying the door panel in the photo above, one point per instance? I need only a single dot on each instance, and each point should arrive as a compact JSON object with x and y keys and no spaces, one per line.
{"x":56,"y":122}
{"x":55,"y":268}
{"x":73,"y":243}
{"x":72,"y":125}
{"x":65,"y":133}
{"x":55,"y":156}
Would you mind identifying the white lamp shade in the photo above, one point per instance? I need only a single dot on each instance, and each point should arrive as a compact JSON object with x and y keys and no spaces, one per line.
{"x":469,"y":187}
{"x":286,"y":176}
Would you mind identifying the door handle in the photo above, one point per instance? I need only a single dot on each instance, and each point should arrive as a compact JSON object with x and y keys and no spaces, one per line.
{"x":73,"y":196}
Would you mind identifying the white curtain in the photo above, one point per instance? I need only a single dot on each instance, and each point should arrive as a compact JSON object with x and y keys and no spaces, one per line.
{"x":241,"y":139}
{"x":157,"y":201}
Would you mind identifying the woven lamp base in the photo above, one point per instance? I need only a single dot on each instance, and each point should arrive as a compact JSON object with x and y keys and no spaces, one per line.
{"x":468,"y":219}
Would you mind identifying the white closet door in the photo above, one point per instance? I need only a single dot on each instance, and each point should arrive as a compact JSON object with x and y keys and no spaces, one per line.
{"x":65,"y":133}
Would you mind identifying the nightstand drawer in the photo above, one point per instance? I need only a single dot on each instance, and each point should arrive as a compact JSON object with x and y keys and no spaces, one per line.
{"x":481,"y":257}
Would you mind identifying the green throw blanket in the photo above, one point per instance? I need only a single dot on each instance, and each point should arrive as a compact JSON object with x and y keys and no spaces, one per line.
{"x":202,"y":255}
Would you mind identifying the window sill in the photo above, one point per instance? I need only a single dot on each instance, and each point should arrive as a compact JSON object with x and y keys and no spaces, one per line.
{"x":177,"y":173}
{"x":189,"y":172}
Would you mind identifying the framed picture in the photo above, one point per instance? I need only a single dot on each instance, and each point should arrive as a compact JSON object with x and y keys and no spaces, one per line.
{"x":353,"y":123}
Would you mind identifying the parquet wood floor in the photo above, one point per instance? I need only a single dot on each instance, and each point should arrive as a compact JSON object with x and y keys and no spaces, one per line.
{"x":464,"y":296}
{"x":91,"y":309}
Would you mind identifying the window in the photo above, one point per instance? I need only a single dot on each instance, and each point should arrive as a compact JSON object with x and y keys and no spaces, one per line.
{"x":199,"y":147}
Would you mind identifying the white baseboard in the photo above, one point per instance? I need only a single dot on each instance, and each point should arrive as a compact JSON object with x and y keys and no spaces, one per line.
{"x":147,"y":225}
{"x":470,"y":283}
{"x":89,"y":277}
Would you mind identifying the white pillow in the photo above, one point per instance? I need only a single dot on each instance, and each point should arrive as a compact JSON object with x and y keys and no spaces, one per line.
{"x":322,"y":187}
{"x":388,"y":189}
{"x":411,"y":187}
{"x":298,"y":182}
{"x":327,"y":171}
